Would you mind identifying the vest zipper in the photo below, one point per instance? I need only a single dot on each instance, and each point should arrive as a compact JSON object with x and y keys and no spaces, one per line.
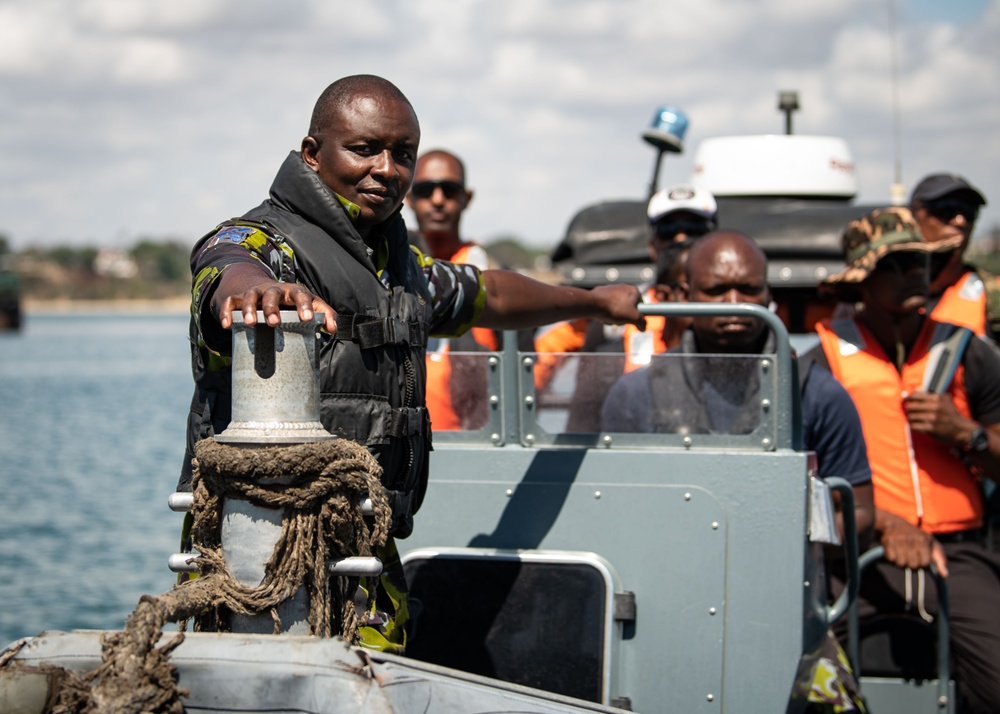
{"x":914,"y":474}
{"x":409,"y":400}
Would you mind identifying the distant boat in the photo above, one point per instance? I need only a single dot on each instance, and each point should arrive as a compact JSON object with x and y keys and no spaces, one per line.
{"x":10,"y":301}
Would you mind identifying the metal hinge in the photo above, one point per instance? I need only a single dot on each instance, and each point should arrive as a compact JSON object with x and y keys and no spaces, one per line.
{"x":625,"y":606}
{"x":622,"y":703}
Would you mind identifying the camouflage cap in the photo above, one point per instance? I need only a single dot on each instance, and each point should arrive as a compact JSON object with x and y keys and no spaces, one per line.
{"x":883,"y":231}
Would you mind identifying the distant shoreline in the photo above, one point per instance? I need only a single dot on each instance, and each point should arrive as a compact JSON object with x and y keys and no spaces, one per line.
{"x":179,"y":305}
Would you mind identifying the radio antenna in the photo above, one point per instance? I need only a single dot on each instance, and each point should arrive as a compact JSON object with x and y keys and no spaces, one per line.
{"x":897,"y":191}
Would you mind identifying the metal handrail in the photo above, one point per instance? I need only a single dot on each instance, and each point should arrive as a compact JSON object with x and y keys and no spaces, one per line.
{"x":943,"y":656}
{"x":787,"y":413}
{"x":847,"y":599}
{"x":787,"y":435}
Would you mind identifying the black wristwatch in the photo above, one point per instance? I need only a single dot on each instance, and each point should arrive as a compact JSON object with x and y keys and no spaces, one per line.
{"x":978,"y":442}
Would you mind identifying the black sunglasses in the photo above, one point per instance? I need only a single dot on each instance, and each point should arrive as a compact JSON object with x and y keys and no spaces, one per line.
{"x":668,"y":229}
{"x":944,"y":209}
{"x":425,"y":189}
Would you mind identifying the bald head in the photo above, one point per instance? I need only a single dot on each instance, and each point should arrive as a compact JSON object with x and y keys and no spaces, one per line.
{"x":456,"y":167}
{"x":342,"y":92}
{"x":362,"y":143}
{"x":725,"y":247}
{"x":727,"y":267}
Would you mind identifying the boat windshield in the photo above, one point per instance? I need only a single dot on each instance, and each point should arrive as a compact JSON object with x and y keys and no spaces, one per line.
{"x":727,"y":397}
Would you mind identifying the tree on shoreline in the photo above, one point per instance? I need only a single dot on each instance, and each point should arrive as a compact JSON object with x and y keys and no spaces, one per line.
{"x":151,"y":269}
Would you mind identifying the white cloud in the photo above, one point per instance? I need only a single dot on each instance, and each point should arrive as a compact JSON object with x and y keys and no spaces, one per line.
{"x":139,"y":117}
{"x":145,"y":15}
{"x":145,"y":61}
{"x":31,"y":38}
{"x":93,"y":42}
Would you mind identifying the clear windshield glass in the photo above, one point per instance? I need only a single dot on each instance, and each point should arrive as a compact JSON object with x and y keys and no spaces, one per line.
{"x":459,"y":389}
{"x":591,"y":393}
{"x":669,"y":394}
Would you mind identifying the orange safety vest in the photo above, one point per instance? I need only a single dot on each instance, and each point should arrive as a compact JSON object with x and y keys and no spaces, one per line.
{"x":438,"y":391}
{"x":475,"y":255}
{"x":553,"y":343}
{"x":914,"y":476}
{"x":570,"y":336}
{"x":964,"y":303}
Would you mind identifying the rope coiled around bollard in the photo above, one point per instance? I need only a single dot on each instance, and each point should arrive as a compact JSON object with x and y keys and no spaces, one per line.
{"x":319,"y":486}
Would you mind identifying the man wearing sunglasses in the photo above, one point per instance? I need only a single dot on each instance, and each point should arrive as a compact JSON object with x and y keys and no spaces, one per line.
{"x":455,"y":388}
{"x":946,"y":207}
{"x":928,"y":393}
{"x":679,"y":213}
{"x":438,"y":197}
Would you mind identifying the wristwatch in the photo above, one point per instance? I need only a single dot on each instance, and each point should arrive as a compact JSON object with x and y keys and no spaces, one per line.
{"x":978,"y":442}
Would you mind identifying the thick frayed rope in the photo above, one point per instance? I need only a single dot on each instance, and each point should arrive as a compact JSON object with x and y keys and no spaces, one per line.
{"x":320,"y":487}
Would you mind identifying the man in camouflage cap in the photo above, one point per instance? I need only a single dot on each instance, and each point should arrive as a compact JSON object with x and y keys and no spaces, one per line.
{"x":928,"y":394}
{"x":868,"y":239}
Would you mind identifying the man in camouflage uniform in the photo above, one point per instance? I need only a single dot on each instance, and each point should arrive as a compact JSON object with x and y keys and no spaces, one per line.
{"x":330,"y":240}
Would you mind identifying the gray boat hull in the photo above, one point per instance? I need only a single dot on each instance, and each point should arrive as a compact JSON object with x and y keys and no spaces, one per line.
{"x":277,"y":674}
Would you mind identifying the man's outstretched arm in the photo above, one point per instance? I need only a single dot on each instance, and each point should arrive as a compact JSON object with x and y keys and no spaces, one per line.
{"x":514,"y":301}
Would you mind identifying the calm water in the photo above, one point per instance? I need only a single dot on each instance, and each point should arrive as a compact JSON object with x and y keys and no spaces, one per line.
{"x":91,"y":441}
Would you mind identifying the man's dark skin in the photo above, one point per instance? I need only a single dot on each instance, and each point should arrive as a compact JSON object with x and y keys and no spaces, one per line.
{"x":366,"y":150}
{"x":894,"y":295}
{"x":663,"y":237}
{"x":948,"y":267}
{"x":728,"y":267}
{"x":669,"y":288}
{"x":439,"y":215}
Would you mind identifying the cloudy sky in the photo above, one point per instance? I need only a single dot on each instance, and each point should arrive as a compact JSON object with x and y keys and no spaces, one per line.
{"x":122,"y":119}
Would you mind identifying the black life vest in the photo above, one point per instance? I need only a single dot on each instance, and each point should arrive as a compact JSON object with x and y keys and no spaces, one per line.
{"x":372,"y":370}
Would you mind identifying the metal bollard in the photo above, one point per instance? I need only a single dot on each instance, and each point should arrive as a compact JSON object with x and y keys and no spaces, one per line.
{"x":275,"y":401}
{"x":275,"y":382}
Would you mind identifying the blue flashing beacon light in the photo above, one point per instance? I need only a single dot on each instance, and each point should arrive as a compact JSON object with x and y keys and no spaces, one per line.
{"x":666,"y":131}
{"x":666,"y":134}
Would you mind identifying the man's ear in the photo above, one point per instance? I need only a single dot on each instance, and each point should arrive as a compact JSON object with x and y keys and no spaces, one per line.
{"x":310,"y":148}
{"x":468,"y":197}
{"x":683,"y":291}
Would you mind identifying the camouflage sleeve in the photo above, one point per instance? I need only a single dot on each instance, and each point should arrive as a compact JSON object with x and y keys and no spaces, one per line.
{"x":458,"y":295}
{"x":234,"y":243}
